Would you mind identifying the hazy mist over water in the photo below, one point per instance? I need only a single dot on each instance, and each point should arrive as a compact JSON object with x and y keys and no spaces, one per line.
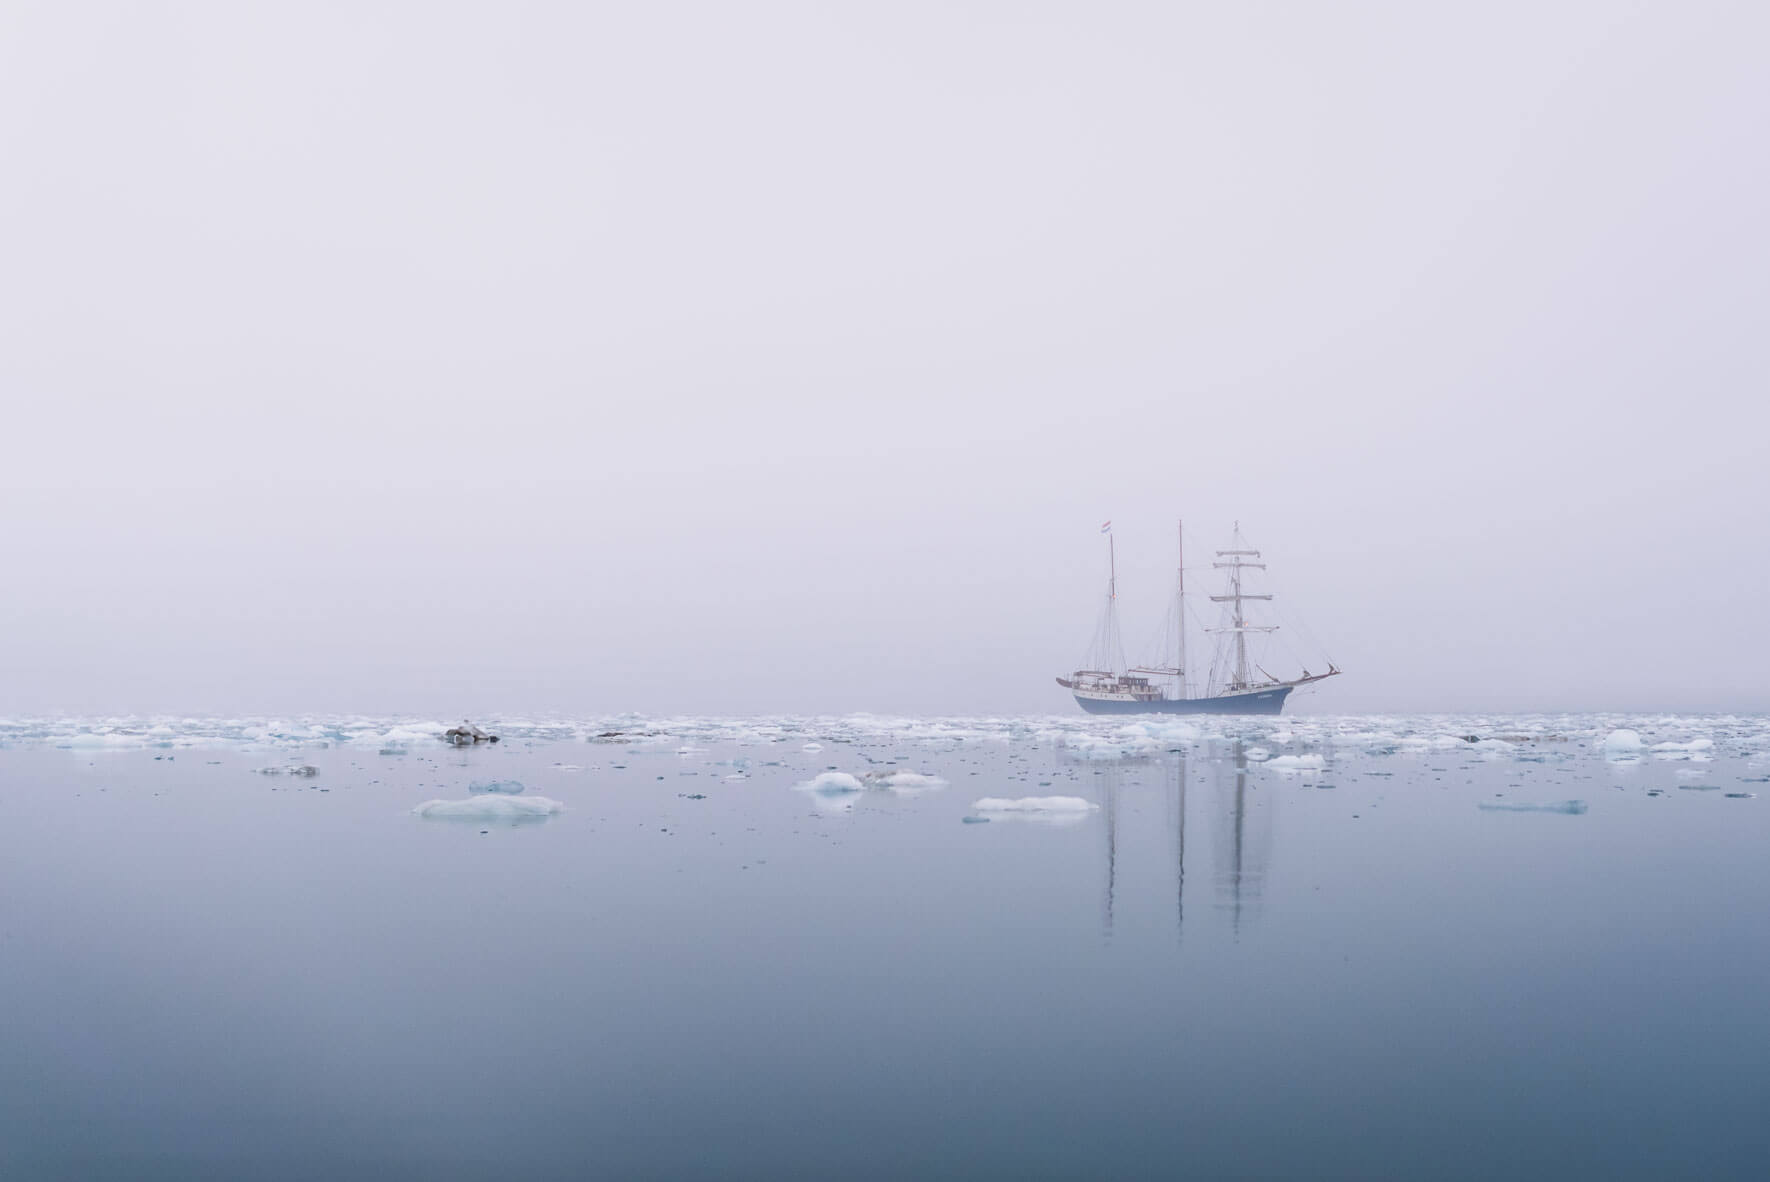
{"x":787,"y":357}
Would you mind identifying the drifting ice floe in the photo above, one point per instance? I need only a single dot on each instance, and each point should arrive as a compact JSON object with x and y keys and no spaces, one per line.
{"x":1034,"y":804}
{"x":903,"y":783}
{"x":832,"y":791}
{"x":1694,"y":749}
{"x":831,"y":784}
{"x":1297,"y":763}
{"x":490,"y":807}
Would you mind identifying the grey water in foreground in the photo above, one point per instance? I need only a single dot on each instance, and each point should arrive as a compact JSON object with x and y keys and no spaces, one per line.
{"x":1292,"y":948}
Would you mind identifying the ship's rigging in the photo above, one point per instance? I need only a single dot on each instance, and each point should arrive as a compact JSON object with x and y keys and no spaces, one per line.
{"x":1236,"y":681}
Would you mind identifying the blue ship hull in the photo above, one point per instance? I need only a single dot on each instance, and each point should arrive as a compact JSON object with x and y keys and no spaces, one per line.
{"x":1266,"y":701}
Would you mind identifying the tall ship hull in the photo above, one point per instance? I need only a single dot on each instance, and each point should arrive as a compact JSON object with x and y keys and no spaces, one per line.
{"x":1266,"y":701}
{"x":1237,"y":683}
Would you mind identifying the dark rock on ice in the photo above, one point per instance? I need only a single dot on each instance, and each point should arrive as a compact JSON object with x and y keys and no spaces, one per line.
{"x":467,"y":734}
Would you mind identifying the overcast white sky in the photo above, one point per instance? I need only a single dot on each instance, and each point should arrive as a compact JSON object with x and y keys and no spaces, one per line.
{"x":786,"y":357}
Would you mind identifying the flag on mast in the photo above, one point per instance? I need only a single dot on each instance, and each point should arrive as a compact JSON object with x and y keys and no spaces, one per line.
{"x":1106,"y":527}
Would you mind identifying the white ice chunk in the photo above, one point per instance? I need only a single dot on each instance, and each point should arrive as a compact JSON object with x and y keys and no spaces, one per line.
{"x":1297,"y":763}
{"x":1694,"y":749}
{"x":490,"y":807}
{"x":904,"y":782}
{"x":1034,"y":804}
{"x":1621,"y":744}
{"x":831,"y":784}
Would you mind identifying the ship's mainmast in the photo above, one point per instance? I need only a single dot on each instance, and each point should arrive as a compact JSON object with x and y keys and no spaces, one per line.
{"x":1238,"y":562}
{"x":1180,"y":605}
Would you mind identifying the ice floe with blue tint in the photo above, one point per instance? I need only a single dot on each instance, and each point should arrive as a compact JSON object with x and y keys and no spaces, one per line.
{"x":490,"y":807}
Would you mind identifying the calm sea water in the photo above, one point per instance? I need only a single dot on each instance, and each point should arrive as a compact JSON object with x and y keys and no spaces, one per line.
{"x":1293,"y":948}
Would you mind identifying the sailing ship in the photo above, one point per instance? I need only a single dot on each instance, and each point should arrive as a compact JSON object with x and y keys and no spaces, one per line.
{"x":1235,"y":684}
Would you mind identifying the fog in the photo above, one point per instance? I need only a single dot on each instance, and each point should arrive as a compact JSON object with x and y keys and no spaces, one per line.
{"x":748,"y":358}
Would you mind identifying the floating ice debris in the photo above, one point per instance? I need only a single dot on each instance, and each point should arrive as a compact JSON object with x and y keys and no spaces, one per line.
{"x":1034,"y":804}
{"x":490,"y":808}
{"x":1621,"y":745}
{"x":1572,"y":808}
{"x":812,"y":747}
{"x":1698,"y":787}
{"x":495,"y":788}
{"x":467,"y":734}
{"x":1297,"y":763}
{"x":1121,"y":746}
{"x":974,"y":820}
{"x":832,"y":792}
{"x":831,"y":784}
{"x":1694,"y":749}
{"x":1257,"y":754}
{"x":903,"y":783}
{"x":391,"y":751}
{"x":1740,"y":795}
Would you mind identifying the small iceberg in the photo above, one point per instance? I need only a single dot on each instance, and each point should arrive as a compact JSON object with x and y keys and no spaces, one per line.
{"x":831,"y":784}
{"x":1571,"y":808}
{"x":832,"y":791}
{"x":1297,"y":763}
{"x":511,"y":810}
{"x":1621,"y":745}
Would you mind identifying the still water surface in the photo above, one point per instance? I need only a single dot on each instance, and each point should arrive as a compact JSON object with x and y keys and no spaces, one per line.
{"x":1229,"y":968}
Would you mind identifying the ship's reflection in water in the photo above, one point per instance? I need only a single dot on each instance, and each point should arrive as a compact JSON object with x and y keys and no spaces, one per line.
{"x":1213,"y":787}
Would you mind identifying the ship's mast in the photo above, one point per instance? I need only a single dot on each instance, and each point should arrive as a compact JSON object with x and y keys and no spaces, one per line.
{"x":1238,"y":562}
{"x":1180,"y":607}
{"x":1112,"y":566}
